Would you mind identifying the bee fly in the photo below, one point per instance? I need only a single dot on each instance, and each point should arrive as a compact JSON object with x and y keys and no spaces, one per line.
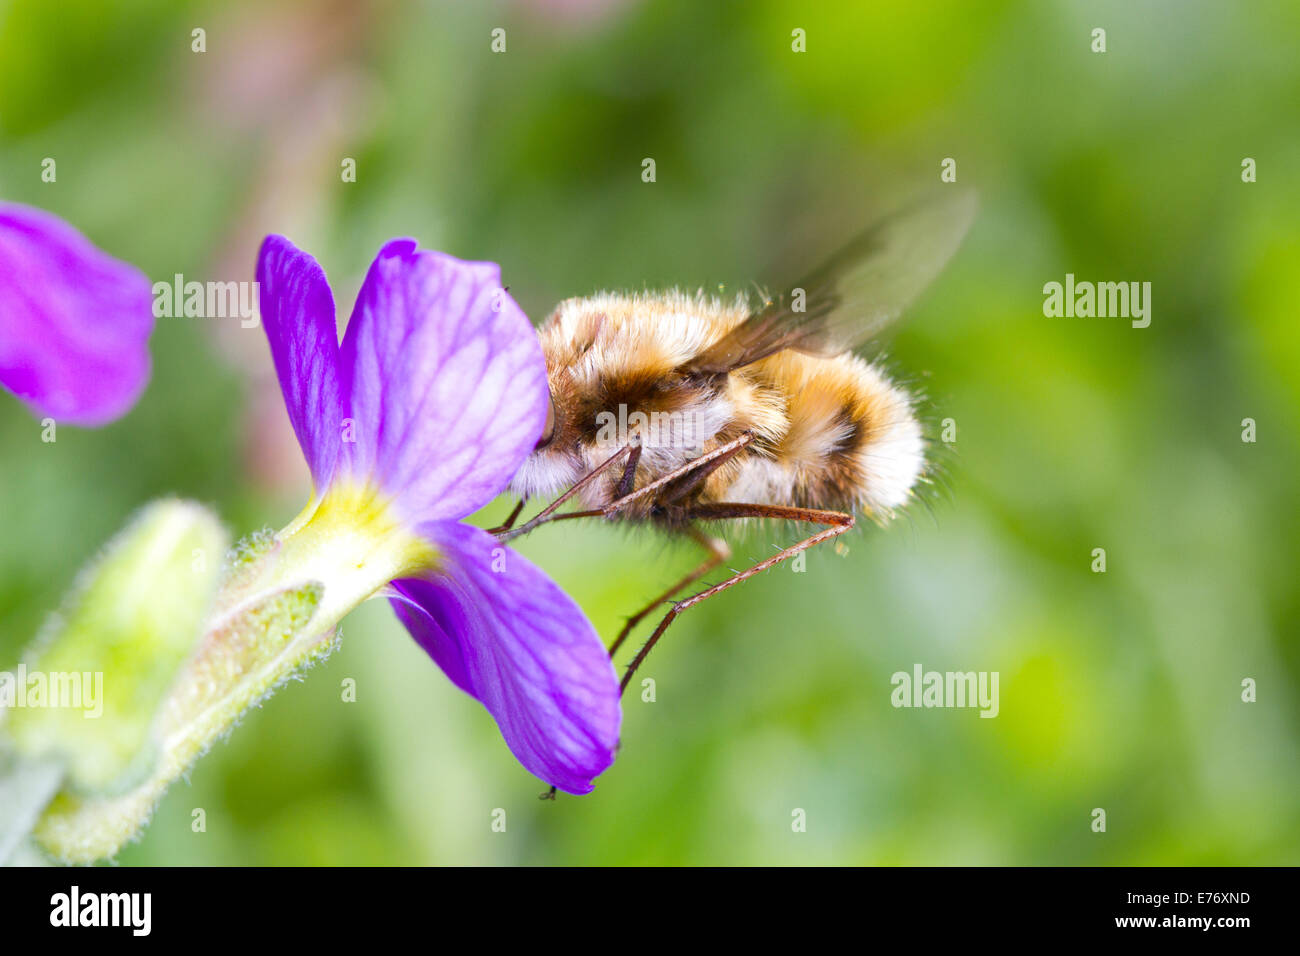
{"x":738,"y":414}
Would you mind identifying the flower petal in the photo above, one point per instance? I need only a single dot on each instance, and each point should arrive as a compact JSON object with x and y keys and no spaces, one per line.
{"x":447,"y":381}
{"x":513,"y":640}
{"x":298,"y":316}
{"x":74,"y":322}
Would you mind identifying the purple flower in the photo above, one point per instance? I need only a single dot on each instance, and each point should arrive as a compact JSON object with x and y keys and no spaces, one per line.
{"x":74,"y":322}
{"x":421,"y":417}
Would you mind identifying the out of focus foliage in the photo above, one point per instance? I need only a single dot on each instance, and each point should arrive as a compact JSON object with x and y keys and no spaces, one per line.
{"x":1119,"y":690}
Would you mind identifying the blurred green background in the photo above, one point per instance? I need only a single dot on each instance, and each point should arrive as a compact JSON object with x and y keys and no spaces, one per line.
{"x":1118,"y":690}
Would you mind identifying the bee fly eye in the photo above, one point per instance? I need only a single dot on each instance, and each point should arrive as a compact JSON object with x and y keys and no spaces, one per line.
{"x":548,"y":432}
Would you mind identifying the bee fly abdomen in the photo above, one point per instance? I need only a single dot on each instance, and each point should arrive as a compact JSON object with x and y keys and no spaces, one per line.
{"x":848,"y":439}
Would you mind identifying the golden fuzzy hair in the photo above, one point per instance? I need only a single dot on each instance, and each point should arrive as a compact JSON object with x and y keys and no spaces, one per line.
{"x":829,"y":432}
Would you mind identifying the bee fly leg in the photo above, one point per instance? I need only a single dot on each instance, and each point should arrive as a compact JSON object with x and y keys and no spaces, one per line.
{"x":718,"y":553}
{"x":510,"y":521}
{"x":680,"y":487}
{"x":545,"y":515}
{"x":837,"y":523}
{"x":628,"y":480}
{"x":702,"y":466}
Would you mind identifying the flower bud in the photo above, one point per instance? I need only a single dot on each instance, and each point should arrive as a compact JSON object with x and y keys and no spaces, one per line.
{"x":90,"y":689}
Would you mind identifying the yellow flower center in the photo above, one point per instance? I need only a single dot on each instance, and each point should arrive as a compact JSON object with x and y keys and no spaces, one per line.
{"x":353,"y":543}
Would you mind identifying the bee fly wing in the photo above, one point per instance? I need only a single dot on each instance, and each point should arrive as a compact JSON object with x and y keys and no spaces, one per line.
{"x":855,"y":296}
